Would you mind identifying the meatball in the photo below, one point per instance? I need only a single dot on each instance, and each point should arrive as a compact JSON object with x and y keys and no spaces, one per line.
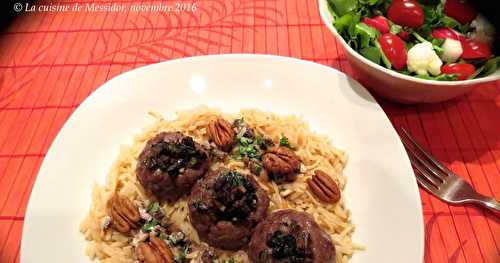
{"x":170,"y":164}
{"x":225,"y":206}
{"x":290,"y":236}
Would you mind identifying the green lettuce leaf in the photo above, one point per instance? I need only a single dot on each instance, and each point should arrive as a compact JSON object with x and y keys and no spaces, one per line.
{"x":366,"y":34}
{"x":442,"y":77}
{"x":371,"y":53}
{"x":342,"y":7}
{"x":489,"y":67}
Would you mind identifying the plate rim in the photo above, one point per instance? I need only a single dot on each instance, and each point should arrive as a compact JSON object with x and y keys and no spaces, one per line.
{"x":29,"y":209}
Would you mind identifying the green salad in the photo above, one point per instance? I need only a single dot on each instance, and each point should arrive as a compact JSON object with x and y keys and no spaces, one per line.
{"x":429,"y":39}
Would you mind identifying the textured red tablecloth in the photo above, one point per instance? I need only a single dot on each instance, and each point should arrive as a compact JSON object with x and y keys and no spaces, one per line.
{"x":51,"y":61}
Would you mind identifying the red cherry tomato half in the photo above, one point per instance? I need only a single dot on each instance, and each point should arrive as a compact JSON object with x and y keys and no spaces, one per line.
{"x":446,"y":32}
{"x":406,"y":13}
{"x":462,"y":70}
{"x":460,"y":10}
{"x":394,"y":49}
{"x":378,"y":22}
{"x":474,"y":49}
{"x":404,"y":35}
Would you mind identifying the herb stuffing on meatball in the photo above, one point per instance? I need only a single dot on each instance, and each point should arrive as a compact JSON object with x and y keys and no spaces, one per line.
{"x":225,"y":206}
{"x":170,"y":164}
{"x":290,"y":236}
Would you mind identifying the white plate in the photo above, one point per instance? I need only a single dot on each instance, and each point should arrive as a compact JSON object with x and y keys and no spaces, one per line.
{"x":381,"y":189}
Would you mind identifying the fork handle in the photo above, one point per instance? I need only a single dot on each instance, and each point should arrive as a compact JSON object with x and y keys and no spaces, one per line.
{"x":488,"y":202}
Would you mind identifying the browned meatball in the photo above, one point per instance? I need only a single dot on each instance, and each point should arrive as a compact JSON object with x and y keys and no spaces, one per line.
{"x":225,"y":206}
{"x":290,"y":236}
{"x":170,"y":164}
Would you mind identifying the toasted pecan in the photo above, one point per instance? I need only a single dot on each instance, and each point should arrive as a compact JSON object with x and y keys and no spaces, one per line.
{"x":324,"y":187}
{"x":154,"y":251}
{"x":281,"y":161}
{"x":124,"y":214}
{"x":221,"y":133}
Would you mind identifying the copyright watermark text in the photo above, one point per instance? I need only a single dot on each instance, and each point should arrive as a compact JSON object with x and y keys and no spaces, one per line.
{"x":105,"y":7}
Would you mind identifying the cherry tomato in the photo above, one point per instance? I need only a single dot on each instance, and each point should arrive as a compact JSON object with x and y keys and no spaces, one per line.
{"x":463,"y":70}
{"x":378,"y":22}
{"x":404,"y":35}
{"x":394,"y":49}
{"x":475,"y":49}
{"x":460,"y":10}
{"x":446,"y":32}
{"x":406,"y":13}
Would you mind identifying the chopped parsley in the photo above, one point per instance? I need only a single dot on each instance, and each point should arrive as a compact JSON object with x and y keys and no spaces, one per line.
{"x":232,"y":179}
{"x":244,"y":141}
{"x":259,"y":140}
{"x":150,"y":225}
{"x":193,"y":161}
{"x":250,"y":146}
{"x":176,"y":238}
{"x":153,"y":207}
{"x":162,"y":236}
{"x":251,"y":151}
{"x":181,"y":256}
{"x":257,"y":168}
{"x":172,"y":239}
{"x":246,"y":147}
{"x":248,"y":143}
{"x":284,"y":142}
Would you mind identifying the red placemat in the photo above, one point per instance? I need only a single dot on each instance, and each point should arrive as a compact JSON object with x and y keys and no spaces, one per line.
{"x":50,"y":61}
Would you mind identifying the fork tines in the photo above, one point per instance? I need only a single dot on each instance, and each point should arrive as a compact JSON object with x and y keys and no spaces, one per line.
{"x":430,"y":173}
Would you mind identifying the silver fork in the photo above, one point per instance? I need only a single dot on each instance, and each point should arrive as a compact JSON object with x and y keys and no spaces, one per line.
{"x":439,"y":180}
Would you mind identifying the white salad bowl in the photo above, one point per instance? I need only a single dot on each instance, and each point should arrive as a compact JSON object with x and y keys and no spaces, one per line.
{"x":396,"y":86}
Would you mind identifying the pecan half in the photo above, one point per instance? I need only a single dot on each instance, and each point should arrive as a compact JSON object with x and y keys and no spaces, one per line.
{"x":221,"y":133}
{"x":145,"y":253}
{"x":161,"y":247}
{"x":282,"y":162}
{"x":124,"y":214}
{"x":324,"y":187}
{"x":155,"y":251}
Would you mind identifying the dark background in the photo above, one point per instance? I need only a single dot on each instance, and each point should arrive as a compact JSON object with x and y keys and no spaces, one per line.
{"x":7,"y":13}
{"x":490,"y":9}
